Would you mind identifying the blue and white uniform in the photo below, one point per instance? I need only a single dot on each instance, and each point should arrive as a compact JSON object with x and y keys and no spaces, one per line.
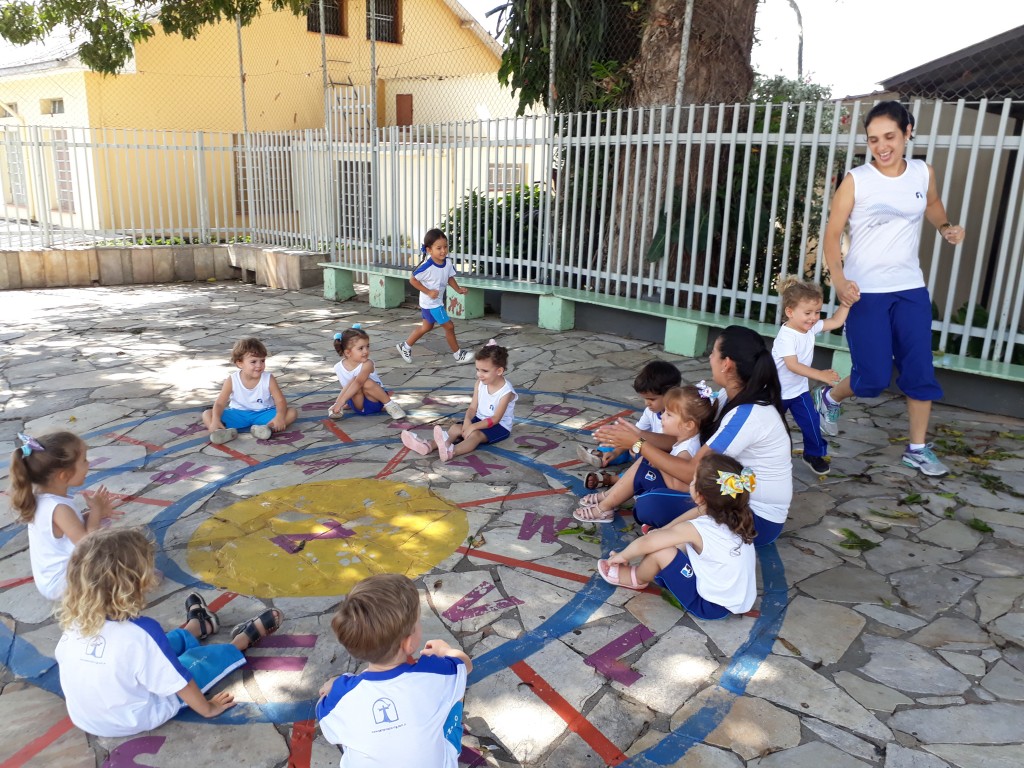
{"x":248,"y":407}
{"x":486,"y":403}
{"x":345,"y":377}
{"x":649,"y":421}
{"x":435,"y":277}
{"x":656,"y":504}
{"x":796,"y":396}
{"x":49,"y":554}
{"x":409,"y":716}
{"x":125,"y":679}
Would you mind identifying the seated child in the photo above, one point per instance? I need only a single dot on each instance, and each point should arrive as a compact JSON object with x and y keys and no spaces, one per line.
{"x":361,"y":387}
{"x":250,"y":398}
{"x":654,"y":380}
{"x":42,"y":471}
{"x":707,"y":562}
{"x":397,"y":712}
{"x":121,"y":674}
{"x":489,"y":417}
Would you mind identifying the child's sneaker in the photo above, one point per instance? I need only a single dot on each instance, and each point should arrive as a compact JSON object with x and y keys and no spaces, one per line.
{"x":925,"y":460}
{"x":818,"y":463}
{"x":261,"y":432}
{"x":463,"y":356}
{"x":394,"y":410}
{"x":333,"y":414}
{"x":829,"y":412}
{"x":221,"y":436}
{"x":444,"y":448}
{"x":405,"y":351}
{"x":413,"y":443}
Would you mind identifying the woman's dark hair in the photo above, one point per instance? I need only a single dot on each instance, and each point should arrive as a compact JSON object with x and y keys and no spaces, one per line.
{"x":754,"y":367}
{"x":494,"y":352}
{"x":894,"y":111}
{"x":343,"y":340}
{"x":432,"y":236}
{"x":732,"y":511}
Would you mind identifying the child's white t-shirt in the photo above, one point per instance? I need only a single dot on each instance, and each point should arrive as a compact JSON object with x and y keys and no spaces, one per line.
{"x":409,"y":716}
{"x":757,"y":437}
{"x":48,"y":554}
{"x":486,"y":403}
{"x":256,"y":399}
{"x":123,"y":681}
{"x":346,"y":376}
{"x":790,"y":342}
{"x":649,"y":421}
{"x":435,"y":277}
{"x":725,"y":568}
{"x":690,"y":445}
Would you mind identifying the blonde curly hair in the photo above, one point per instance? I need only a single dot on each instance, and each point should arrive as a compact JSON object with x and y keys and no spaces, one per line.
{"x":108,"y":575}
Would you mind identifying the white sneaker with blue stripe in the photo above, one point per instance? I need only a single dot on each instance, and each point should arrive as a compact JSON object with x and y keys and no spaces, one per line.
{"x":925,"y":460}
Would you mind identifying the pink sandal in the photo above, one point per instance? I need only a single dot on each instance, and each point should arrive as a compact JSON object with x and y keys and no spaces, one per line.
{"x":610,"y":573}
{"x":593,"y":499}
{"x":413,"y":443}
{"x":444,"y":448}
{"x":588,"y":513}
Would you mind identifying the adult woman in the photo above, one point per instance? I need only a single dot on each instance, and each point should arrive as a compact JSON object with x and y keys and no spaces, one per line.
{"x":750,"y":427}
{"x":890,"y":321}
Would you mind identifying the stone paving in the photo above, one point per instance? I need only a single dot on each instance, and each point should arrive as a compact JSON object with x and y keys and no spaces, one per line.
{"x":891,"y":621}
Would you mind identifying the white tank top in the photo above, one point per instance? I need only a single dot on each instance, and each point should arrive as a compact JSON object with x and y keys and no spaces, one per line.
{"x":256,"y":399}
{"x":486,"y":403}
{"x":885,"y":228}
{"x":725,"y":567}
{"x":345,"y":376}
{"x":48,"y":554}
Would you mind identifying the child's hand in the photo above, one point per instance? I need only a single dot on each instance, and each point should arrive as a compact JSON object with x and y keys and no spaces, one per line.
{"x":218,"y":703}
{"x":436,"y":648}
{"x":276,"y":424}
{"x":100,"y":503}
{"x":433,"y":294}
{"x":830,"y":377}
{"x":326,"y":687}
{"x":616,"y":558}
{"x":462,"y":290}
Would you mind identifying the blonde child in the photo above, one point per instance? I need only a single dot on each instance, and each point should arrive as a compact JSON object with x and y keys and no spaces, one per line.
{"x":489,"y":417}
{"x":250,"y":398}
{"x":430,"y":278}
{"x":361,"y":387}
{"x":656,"y":478}
{"x":42,"y":471}
{"x":793,"y":353}
{"x":120,"y":673}
{"x":707,"y":562}
{"x":397,"y":712}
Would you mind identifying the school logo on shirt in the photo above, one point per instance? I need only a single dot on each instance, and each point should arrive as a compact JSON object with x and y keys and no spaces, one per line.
{"x":95,"y":647}
{"x":687,"y":571}
{"x":384,"y":711}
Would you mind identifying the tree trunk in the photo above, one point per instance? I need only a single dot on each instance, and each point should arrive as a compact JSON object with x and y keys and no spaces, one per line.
{"x":718,"y":66}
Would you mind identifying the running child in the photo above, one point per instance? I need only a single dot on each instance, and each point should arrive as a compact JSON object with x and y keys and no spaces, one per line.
{"x":489,"y":417}
{"x":121,"y":674}
{"x":42,"y":471}
{"x":707,"y":562}
{"x":654,"y":380}
{"x":431,"y":278}
{"x":361,"y":387}
{"x":793,"y":353}
{"x":396,"y":712}
{"x":250,"y":398}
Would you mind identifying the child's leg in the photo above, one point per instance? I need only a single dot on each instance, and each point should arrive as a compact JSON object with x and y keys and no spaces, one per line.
{"x":677,"y":576}
{"x":809,"y":421}
{"x":455,"y":432}
{"x":208,"y":419}
{"x":655,"y":563}
{"x":619,"y":493}
{"x":373,"y":391}
{"x":419,"y":332}
{"x":449,"y":336}
{"x":661,"y":507}
{"x":469,"y":443}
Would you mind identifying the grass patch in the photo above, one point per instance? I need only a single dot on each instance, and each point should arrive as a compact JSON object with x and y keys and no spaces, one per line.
{"x":980,"y":525}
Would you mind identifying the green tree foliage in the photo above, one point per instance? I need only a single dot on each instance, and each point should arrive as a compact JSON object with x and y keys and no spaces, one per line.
{"x":108,"y":31}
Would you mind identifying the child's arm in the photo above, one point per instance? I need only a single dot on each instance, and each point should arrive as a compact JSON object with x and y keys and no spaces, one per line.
{"x":467,"y":420}
{"x":837,"y":319}
{"x":622,"y":433}
{"x":222,"y":401}
{"x":198,"y":703}
{"x":610,"y":456}
{"x":661,"y":538}
{"x":441,"y":648}
{"x":279,"y":421}
{"x":67,"y":522}
{"x":456,"y":287}
{"x":326,"y":687}
{"x":354,"y":386}
{"x":423,"y":289}
{"x":828,"y":376}
{"x":100,"y":504}
{"x":499,"y":412}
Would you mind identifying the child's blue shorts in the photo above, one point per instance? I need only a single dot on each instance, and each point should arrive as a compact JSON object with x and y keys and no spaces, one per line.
{"x":679,"y":579}
{"x":236,"y":418}
{"x":494,"y":434}
{"x":437,"y":315}
{"x":369,"y":408}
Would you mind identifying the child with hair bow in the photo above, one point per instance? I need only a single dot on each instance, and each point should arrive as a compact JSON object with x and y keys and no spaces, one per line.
{"x":361,"y":387}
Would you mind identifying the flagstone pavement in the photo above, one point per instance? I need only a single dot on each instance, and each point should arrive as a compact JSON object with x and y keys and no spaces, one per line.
{"x":890,"y":624}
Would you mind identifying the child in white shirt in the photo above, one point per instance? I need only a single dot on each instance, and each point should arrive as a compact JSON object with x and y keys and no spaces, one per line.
{"x":361,"y":388}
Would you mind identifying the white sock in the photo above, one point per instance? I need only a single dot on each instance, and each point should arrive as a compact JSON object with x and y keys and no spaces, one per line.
{"x":916,"y":446}
{"x":829,"y":398}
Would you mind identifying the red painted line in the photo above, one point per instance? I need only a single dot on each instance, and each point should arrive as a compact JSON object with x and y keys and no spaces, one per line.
{"x":15,"y":582}
{"x":330,"y":426}
{"x":514,"y":497}
{"x":142,"y":499}
{"x":390,"y":466}
{"x":607,"y":420}
{"x":34,"y":747}
{"x":221,"y":600}
{"x":577,"y":723}
{"x":133,"y":441}
{"x":566,"y":464}
{"x":276,"y":663}
{"x":303,"y":733}
{"x":236,"y":454}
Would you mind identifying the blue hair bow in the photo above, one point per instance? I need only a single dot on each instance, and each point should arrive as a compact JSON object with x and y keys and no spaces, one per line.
{"x":337,"y":337}
{"x":29,"y":444}
{"x":357,"y":326}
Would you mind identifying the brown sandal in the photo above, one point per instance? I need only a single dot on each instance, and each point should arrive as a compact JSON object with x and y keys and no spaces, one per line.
{"x":600,"y":480}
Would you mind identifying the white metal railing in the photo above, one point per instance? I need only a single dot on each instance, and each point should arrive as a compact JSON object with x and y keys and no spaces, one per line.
{"x":578,"y":200}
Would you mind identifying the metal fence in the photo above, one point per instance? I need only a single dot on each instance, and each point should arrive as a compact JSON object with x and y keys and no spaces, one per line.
{"x":702,"y":207}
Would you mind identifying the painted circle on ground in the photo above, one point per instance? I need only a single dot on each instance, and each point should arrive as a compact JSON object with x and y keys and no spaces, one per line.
{"x":319,"y":539}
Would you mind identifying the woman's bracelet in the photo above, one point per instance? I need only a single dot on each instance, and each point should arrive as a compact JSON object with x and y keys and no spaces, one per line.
{"x":944,"y":227}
